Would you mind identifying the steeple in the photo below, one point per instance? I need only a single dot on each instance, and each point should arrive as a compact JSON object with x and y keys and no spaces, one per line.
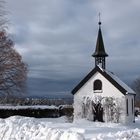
{"x":100,"y":53}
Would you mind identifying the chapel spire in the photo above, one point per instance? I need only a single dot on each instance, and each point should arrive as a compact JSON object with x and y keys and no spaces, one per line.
{"x":100,"y":53}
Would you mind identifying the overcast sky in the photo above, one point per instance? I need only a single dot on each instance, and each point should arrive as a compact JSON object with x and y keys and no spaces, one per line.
{"x":57,"y":37}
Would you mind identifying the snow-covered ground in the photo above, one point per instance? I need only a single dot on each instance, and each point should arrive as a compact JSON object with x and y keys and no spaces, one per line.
{"x":25,"y":128}
{"x":28,"y":107}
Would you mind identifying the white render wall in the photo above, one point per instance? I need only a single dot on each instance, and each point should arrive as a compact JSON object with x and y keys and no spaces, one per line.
{"x":108,"y":90}
{"x":131,"y":115}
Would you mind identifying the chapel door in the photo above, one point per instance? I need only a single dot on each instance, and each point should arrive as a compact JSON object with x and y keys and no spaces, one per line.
{"x":98,"y":113}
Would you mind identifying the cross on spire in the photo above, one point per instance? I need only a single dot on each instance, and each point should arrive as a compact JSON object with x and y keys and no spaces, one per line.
{"x":99,"y":19}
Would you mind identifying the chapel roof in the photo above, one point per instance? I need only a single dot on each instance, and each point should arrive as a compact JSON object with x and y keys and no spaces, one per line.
{"x":111,"y":77}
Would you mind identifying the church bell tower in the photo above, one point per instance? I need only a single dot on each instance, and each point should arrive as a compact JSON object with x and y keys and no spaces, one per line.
{"x":100,"y":54}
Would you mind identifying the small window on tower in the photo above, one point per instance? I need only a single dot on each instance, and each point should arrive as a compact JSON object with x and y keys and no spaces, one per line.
{"x":97,"y":86}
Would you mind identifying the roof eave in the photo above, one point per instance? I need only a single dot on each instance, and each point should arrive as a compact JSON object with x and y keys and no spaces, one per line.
{"x":101,"y":71}
{"x":83,"y":81}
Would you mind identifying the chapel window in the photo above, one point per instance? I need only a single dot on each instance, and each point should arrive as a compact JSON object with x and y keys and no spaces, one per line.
{"x":127,"y":106}
{"x":132,"y":106}
{"x":97,"y":85}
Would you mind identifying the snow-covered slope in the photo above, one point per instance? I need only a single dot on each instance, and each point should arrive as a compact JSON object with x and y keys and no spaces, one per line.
{"x":24,"y":128}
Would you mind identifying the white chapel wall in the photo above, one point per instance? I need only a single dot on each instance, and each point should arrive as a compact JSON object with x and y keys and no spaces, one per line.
{"x":130,"y":116}
{"x":108,"y":90}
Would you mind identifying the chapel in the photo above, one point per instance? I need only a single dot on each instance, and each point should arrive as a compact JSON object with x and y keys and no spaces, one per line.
{"x":101,"y":95}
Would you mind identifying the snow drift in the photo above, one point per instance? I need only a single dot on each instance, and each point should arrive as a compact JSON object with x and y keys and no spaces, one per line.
{"x":23,"y":128}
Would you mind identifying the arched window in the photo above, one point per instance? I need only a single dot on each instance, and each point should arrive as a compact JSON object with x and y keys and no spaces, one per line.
{"x":97,"y":85}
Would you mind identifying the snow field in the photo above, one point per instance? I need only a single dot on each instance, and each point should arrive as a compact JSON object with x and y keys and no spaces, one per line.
{"x":121,"y":135}
{"x":25,"y":128}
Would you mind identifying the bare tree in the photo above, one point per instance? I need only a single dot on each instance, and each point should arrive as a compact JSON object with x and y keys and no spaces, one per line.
{"x":136,"y":87}
{"x":13,"y":71}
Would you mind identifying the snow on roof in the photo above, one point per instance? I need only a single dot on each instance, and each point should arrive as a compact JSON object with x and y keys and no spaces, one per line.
{"x":120,"y":82}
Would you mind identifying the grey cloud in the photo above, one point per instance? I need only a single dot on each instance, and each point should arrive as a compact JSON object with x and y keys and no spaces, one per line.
{"x":57,"y":38}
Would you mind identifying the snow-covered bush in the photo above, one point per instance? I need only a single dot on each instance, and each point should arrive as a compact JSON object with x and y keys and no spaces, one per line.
{"x":91,"y":108}
{"x":112,"y":109}
{"x":100,"y":108}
